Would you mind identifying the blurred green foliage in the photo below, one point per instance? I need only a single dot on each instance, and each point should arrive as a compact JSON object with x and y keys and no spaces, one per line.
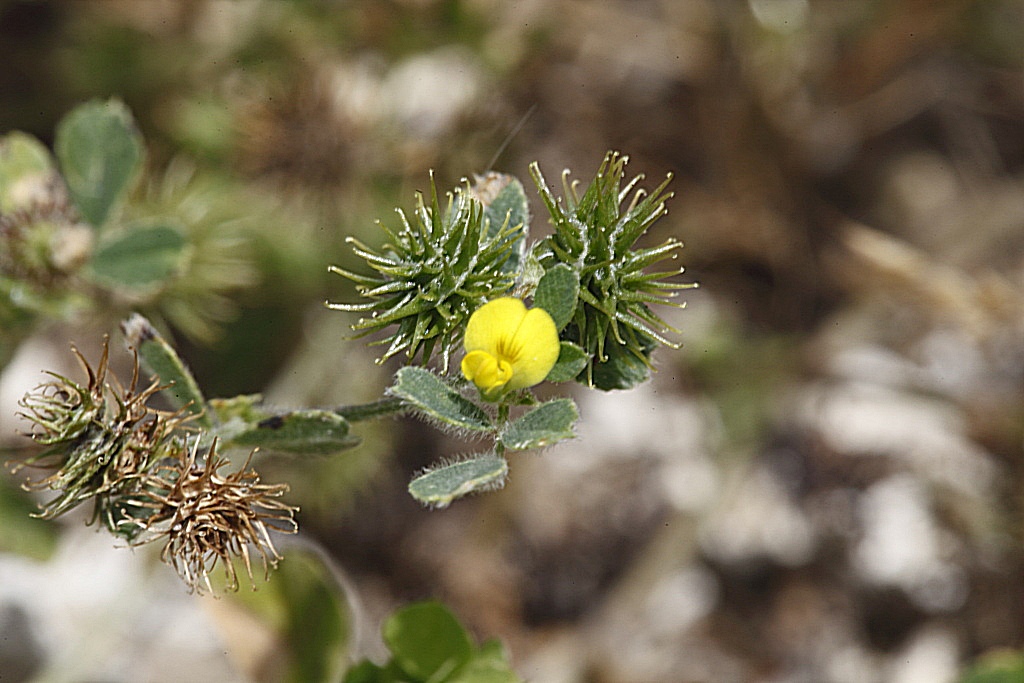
{"x":1005,"y":666}
{"x":427,"y":643}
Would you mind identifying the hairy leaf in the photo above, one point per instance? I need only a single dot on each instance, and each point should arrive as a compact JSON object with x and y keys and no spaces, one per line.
{"x":429,"y":394}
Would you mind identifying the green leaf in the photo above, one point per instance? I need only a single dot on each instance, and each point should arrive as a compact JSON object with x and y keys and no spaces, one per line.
{"x":141,"y":257}
{"x":428,"y":645}
{"x":544,"y":425}
{"x":489,"y":665}
{"x":427,"y":641}
{"x":302,"y":432}
{"x":493,"y":651}
{"x":160,"y":359}
{"x":316,"y":604}
{"x":384,"y":407}
{"x":557,"y":293}
{"x":509,"y":203}
{"x":532,"y":272}
{"x":623,"y":369}
{"x":441,"y":485}
{"x":25,"y":165}
{"x":100,"y":154}
{"x":571,"y":361}
{"x":429,"y":394}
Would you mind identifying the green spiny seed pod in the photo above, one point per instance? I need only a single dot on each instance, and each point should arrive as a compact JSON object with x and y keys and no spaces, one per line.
{"x":595,"y":234}
{"x":433,"y":273}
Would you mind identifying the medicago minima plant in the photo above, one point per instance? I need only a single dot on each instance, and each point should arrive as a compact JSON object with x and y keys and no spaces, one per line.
{"x":574,"y":306}
{"x":479,"y":314}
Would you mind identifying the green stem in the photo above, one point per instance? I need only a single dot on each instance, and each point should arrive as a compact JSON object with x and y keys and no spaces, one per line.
{"x":373,"y":410}
{"x":503,"y":413}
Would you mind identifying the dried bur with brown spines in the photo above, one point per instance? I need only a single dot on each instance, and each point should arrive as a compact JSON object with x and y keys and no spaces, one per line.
{"x":101,"y":438}
{"x":206,"y":518}
{"x":141,"y":468}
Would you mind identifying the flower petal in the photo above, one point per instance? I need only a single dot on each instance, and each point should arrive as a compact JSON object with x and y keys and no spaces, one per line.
{"x":497,"y":319}
{"x":537,"y":342}
{"x":486,"y":371}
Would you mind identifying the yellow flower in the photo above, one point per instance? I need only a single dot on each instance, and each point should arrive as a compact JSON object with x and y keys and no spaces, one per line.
{"x":509,"y":347}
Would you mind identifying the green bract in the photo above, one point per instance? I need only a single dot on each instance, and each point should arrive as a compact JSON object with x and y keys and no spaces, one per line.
{"x":433,"y":273}
{"x":594,"y":235}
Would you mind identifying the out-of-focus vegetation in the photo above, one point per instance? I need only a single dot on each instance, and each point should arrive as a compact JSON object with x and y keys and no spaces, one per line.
{"x":824,"y":484}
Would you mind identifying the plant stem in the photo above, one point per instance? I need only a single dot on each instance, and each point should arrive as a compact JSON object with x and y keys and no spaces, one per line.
{"x":503,"y":413}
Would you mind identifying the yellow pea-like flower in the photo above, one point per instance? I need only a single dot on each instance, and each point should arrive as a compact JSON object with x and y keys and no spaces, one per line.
{"x":509,"y":346}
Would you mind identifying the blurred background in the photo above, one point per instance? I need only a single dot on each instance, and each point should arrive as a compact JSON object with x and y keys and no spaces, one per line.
{"x":824,"y":485}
